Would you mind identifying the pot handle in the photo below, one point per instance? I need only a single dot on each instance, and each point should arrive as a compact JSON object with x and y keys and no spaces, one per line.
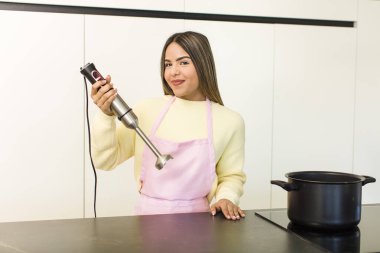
{"x":285,"y":185}
{"x":368,"y":179}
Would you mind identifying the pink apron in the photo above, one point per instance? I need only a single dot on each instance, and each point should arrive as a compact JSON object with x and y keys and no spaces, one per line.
{"x":182,"y":185}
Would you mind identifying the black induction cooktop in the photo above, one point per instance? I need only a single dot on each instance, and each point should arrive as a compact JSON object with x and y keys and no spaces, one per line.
{"x":363,"y":238}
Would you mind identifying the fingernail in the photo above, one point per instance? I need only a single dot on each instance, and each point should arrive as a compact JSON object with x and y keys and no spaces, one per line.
{"x":213,"y":212}
{"x":104,"y":81}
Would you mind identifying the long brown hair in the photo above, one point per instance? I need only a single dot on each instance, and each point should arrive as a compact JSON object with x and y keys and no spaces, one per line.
{"x":199,"y":50}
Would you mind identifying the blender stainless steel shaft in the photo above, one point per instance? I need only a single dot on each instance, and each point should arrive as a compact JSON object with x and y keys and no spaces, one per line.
{"x":125,"y":114}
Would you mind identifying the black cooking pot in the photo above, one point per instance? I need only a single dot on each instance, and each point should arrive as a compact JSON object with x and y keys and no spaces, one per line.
{"x":324,"y":199}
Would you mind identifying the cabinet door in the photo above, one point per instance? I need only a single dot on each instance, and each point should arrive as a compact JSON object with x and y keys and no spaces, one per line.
{"x":41,"y":160}
{"x":129,"y":49}
{"x":367,"y":120}
{"x":308,"y":9}
{"x":314,"y":77}
{"x":244,"y":62}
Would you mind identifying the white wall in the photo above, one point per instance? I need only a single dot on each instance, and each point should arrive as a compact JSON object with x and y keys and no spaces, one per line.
{"x":367,"y":107}
{"x":309,"y":96}
{"x":311,"y":9}
{"x":314,"y":91}
{"x":42,"y":129}
{"x":132,"y":60}
{"x":244,"y":63}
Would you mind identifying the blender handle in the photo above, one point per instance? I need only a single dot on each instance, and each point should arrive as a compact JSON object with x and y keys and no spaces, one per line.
{"x":125,"y":114}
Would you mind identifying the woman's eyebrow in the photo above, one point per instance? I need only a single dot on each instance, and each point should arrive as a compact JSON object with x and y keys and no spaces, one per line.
{"x":180,"y":58}
{"x":183,"y":57}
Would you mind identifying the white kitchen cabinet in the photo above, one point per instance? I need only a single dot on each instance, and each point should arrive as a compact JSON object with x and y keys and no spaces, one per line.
{"x":244,"y":62}
{"x":129,"y":49}
{"x":367,"y":114}
{"x":308,"y":95}
{"x":42,"y":127}
{"x":314,"y":95}
{"x":306,"y":9}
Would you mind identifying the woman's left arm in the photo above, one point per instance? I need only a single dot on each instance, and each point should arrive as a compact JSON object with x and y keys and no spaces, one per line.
{"x":231,"y":176}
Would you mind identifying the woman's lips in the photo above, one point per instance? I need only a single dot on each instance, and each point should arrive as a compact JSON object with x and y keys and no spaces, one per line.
{"x":177,"y":82}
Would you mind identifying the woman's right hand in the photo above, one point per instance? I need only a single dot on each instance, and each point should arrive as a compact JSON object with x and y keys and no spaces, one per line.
{"x":103,"y":93}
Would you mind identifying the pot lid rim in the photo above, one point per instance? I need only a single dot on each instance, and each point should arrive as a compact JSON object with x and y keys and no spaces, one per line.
{"x":359,"y":178}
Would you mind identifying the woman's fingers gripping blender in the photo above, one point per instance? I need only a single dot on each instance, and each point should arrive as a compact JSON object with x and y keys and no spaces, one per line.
{"x":103,"y":93}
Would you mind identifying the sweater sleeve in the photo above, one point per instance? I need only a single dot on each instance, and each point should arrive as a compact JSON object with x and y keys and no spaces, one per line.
{"x":229,"y":168}
{"x":112,"y":143}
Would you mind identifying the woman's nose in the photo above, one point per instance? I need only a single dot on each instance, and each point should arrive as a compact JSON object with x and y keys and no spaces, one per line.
{"x":174,"y":70}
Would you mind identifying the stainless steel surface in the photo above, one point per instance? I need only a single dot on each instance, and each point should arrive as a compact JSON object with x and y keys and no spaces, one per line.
{"x":125,"y":114}
{"x":161,"y":159}
{"x":130,"y":120}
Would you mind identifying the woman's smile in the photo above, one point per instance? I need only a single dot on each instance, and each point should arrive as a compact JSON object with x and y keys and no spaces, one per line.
{"x":177,"y":82}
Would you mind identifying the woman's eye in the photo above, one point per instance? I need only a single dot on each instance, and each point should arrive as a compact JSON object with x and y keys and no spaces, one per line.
{"x":167,"y":65}
{"x":184,"y":62}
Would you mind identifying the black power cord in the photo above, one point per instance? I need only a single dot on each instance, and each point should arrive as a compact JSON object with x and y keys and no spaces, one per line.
{"x":89,"y":146}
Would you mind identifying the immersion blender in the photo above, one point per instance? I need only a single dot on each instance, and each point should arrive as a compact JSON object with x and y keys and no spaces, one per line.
{"x":125,"y":114}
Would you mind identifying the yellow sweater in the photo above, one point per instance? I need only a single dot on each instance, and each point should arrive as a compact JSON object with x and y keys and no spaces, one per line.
{"x":113,"y":143}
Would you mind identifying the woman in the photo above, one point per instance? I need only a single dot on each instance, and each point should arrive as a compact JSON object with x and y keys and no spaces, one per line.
{"x":205,"y":138}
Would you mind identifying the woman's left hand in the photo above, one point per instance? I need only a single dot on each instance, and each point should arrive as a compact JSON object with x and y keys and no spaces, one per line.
{"x":229,"y":209}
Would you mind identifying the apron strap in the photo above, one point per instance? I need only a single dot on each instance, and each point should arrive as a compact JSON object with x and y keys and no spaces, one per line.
{"x":209,"y":121}
{"x":210,"y":134}
{"x":162,"y":115}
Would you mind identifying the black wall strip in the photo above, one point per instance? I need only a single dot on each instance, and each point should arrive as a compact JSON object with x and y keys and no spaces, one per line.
{"x":169,"y":14}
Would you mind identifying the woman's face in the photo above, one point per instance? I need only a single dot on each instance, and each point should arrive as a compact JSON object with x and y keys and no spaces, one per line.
{"x":180,"y":74}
